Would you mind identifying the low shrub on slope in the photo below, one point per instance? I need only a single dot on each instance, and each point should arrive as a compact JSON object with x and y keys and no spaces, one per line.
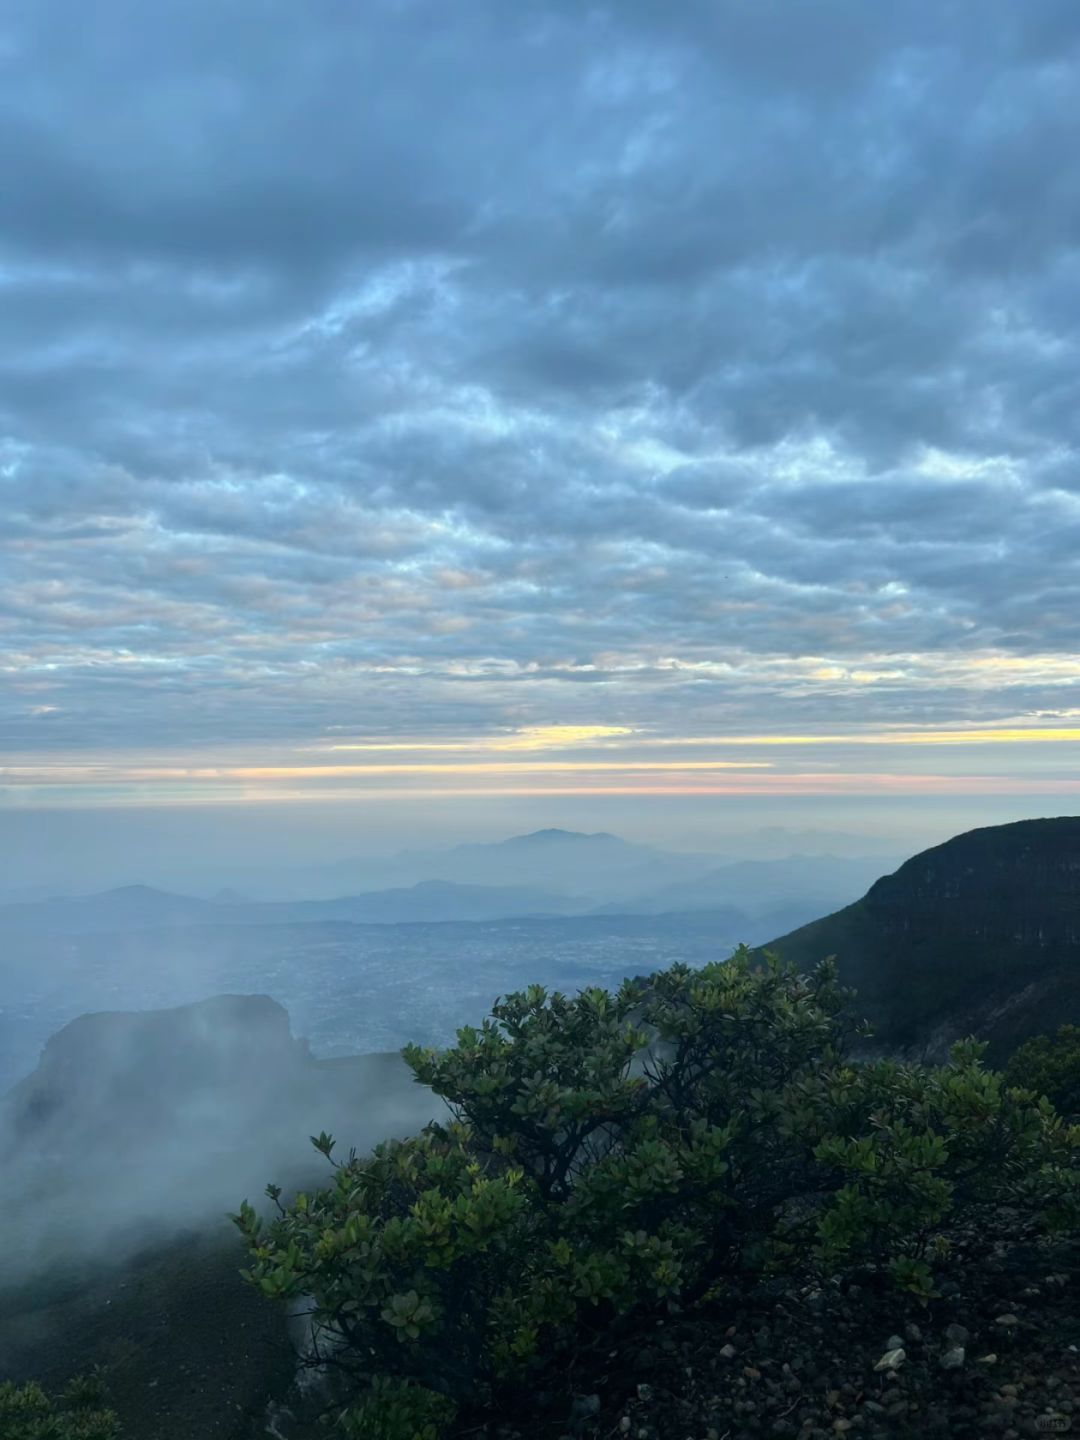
{"x":80,"y":1413}
{"x":612,"y":1158}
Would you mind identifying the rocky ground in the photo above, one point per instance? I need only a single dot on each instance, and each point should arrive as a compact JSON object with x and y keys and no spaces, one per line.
{"x":997,"y":1354}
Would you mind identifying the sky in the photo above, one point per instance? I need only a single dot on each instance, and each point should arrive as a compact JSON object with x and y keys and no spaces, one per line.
{"x":436,"y":418}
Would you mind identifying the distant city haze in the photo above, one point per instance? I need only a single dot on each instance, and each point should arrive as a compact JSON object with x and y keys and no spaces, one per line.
{"x":204,"y":849}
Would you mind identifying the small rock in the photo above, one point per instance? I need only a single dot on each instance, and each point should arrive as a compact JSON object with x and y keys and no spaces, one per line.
{"x":913,"y":1333}
{"x":990,"y":1359}
{"x":957,"y":1334}
{"x":583,"y":1408}
{"x":645,"y":1392}
{"x":728,"y":1352}
{"x":840,"y":1424}
{"x":1008,"y":1320}
{"x":953,"y":1358}
{"x":892,"y":1359}
{"x":894,"y":1342}
{"x":624,"y":1425}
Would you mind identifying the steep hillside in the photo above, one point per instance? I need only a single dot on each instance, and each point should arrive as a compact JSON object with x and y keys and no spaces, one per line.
{"x":979,"y":935}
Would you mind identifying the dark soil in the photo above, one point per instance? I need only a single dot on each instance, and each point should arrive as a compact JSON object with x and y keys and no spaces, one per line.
{"x":190,"y":1351}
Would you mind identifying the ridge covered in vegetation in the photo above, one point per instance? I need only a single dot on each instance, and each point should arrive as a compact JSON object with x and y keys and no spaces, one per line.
{"x":979,"y":935}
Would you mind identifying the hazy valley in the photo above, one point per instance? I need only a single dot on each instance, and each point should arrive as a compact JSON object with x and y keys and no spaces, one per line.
{"x":440,"y":952}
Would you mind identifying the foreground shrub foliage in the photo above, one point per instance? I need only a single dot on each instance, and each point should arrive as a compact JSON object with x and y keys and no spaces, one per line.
{"x":608,"y":1156}
{"x":80,"y":1413}
{"x":1050,"y":1065}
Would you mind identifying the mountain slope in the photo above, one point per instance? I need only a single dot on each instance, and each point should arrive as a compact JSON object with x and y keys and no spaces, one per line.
{"x":978,"y":935}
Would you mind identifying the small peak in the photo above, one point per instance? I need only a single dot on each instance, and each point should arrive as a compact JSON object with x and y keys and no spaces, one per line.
{"x":133,"y":892}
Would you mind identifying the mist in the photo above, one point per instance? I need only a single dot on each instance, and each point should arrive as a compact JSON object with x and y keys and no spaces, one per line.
{"x":62,"y":850}
{"x":137,"y":1125}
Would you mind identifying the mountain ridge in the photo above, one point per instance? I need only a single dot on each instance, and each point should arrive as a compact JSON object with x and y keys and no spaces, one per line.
{"x":980,"y":934}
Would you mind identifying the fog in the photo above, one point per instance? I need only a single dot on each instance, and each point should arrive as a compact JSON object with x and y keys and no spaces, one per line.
{"x":136,"y":1125}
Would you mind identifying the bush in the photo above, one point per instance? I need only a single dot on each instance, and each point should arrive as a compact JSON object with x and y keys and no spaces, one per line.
{"x":613,"y":1156}
{"x":27,"y":1413}
{"x":1050,"y":1065}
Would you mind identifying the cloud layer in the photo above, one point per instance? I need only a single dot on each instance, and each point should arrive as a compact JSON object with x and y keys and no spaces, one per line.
{"x":392,"y":370}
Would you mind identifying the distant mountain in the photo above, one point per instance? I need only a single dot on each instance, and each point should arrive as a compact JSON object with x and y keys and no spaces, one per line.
{"x":129,"y":907}
{"x":599,"y":866}
{"x":136,"y":907}
{"x":807,"y":884}
{"x":980,"y":935}
{"x":431,"y":900}
{"x":740,"y":896}
{"x":596,"y":867}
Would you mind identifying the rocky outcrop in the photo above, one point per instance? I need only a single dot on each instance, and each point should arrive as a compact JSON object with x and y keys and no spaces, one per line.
{"x":137,"y":1120}
{"x":115,"y":1077}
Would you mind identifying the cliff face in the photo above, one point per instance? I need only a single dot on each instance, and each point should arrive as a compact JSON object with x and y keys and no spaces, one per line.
{"x":1018,"y":884}
{"x":979,"y":935}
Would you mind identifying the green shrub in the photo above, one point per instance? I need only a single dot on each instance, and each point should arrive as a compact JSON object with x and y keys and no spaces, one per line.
{"x":610,"y":1156}
{"x":1050,"y":1065}
{"x":80,"y":1413}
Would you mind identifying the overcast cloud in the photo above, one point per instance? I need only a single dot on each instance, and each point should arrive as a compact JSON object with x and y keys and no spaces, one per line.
{"x":426,"y":369}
